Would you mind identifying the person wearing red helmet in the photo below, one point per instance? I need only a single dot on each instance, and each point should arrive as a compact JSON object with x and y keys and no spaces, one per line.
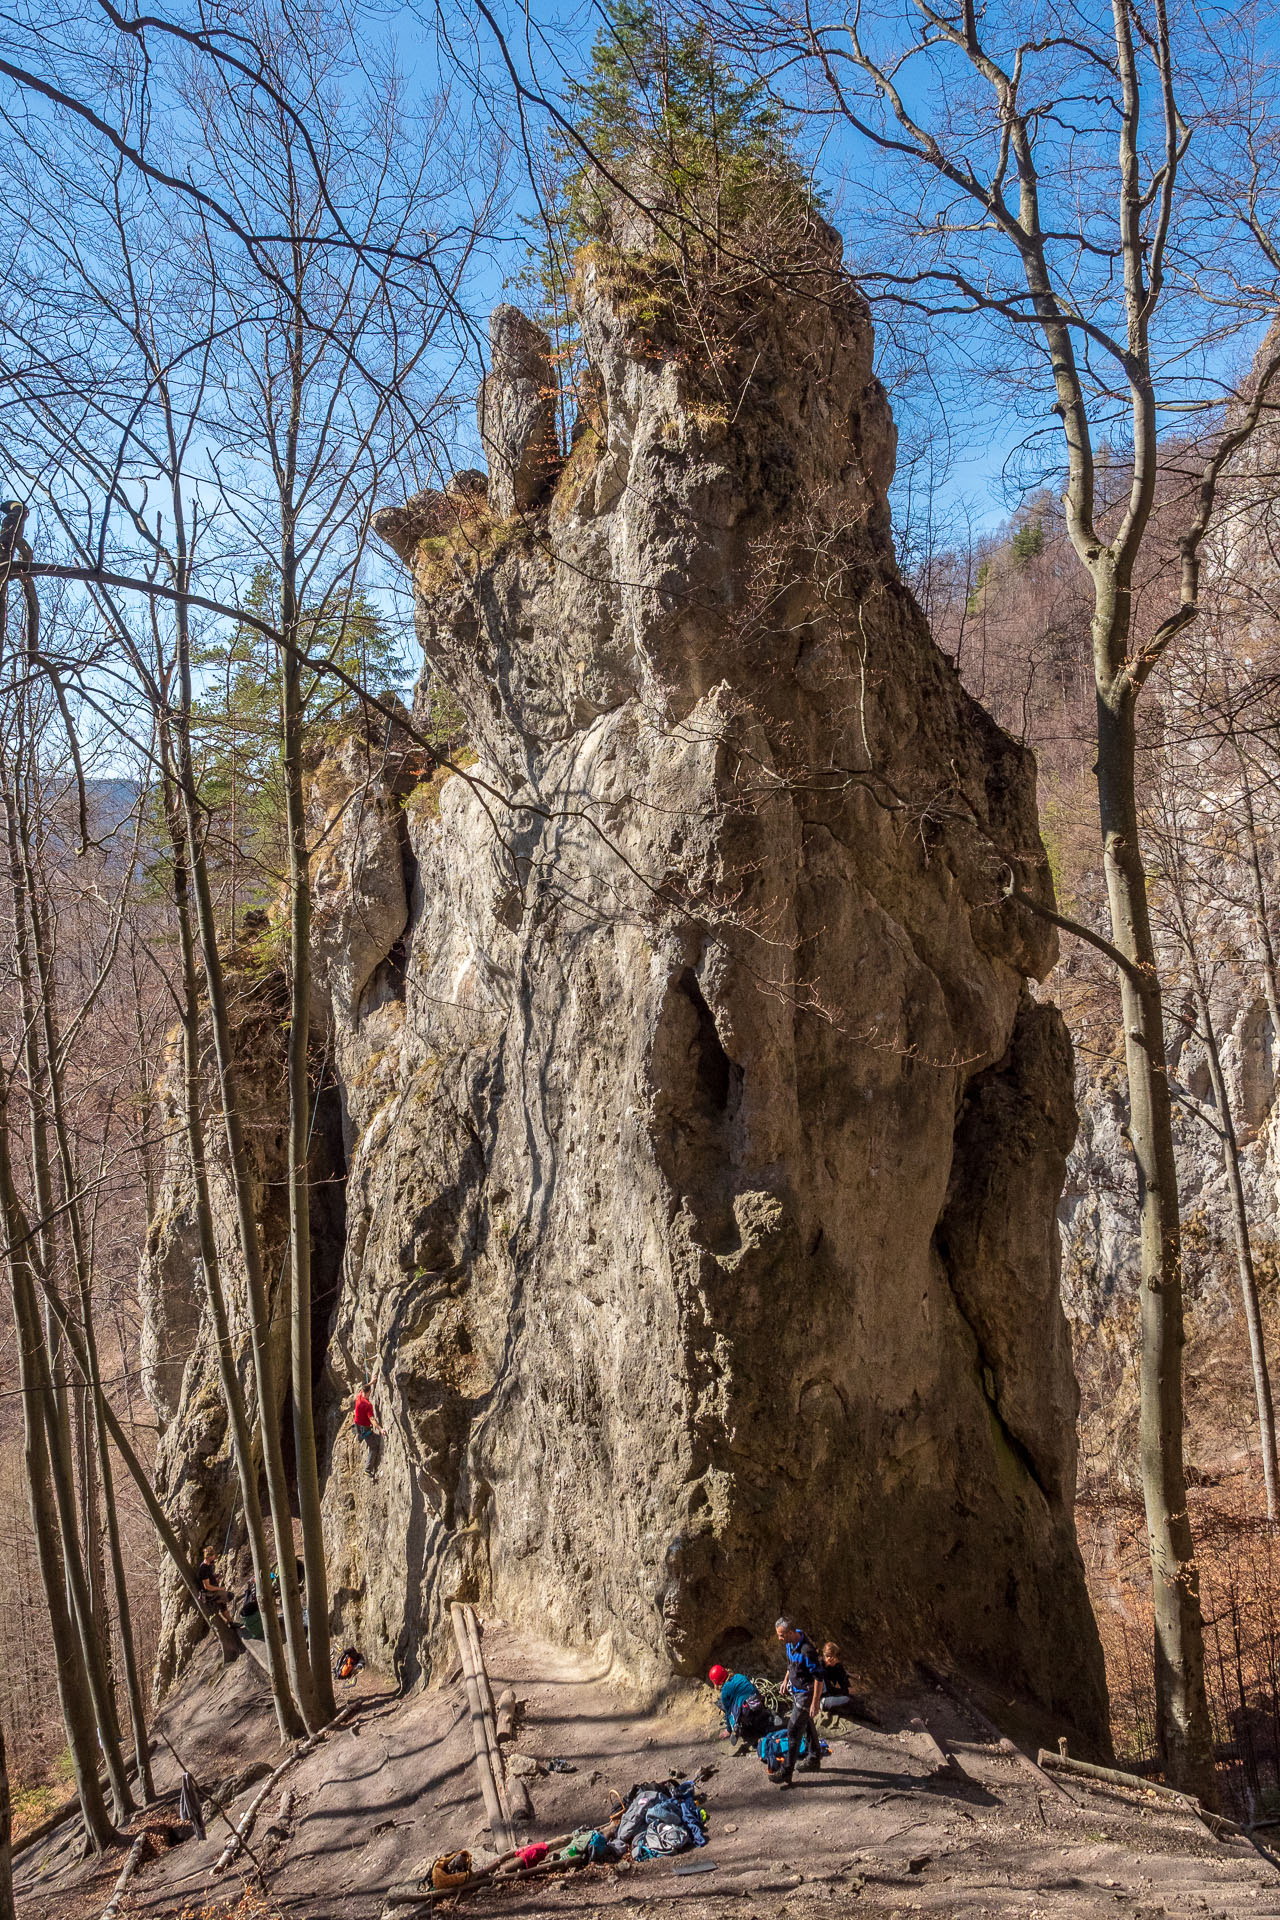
{"x":745,"y":1715}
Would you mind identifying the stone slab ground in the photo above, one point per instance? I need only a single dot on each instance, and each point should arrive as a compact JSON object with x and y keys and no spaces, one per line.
{"x":875,"y":1832}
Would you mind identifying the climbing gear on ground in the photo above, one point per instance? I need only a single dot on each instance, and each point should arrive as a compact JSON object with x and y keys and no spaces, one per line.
{"x":451,"y":1870}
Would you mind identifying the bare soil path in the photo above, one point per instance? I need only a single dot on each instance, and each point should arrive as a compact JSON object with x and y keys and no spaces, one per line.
{"x":877,"y":1831}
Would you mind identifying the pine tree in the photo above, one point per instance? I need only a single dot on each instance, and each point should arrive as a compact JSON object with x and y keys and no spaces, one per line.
{"x":236,"y":725}
{"x":662,"y":110}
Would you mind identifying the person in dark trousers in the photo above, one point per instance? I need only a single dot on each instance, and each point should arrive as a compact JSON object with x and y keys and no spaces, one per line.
{"x":207,"y":1575}
{"x":745,"y":1715}
{"x":251,"y":1614}
{"x":837,"y":1699}
{"x":366,"y":1426}
{"x":803,"y":1685}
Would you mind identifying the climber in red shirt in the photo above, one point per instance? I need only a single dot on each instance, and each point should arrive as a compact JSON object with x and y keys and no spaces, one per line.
{"x":366,"y":1426}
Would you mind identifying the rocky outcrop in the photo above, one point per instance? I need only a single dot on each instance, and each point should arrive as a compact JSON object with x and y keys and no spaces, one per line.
{"x":516,"y":415}
{"x":702,"y":1137}
{"x":703,"y":1161}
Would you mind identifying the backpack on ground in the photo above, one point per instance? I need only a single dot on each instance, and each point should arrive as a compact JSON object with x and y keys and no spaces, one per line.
{"x":751,"y":1718}
{"x":773,"y":1748}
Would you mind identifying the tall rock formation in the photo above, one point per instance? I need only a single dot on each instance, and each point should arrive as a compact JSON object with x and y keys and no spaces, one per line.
{"x":702,"y":1137}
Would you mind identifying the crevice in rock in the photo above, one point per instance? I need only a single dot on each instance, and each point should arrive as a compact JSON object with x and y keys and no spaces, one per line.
{"x":987,"y":1372}
{"x":328,"y":1220}
{"x":387,"y":981}
{"x":713,"y":1070}
{"x":698,"y":1092}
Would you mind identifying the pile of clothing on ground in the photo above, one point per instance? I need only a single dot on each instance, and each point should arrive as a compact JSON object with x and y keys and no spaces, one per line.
{"x":656,"y":1818}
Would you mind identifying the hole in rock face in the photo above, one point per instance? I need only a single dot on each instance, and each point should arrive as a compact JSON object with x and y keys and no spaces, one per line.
{"x":698,"y":1092}
{"x":713,"y":1070}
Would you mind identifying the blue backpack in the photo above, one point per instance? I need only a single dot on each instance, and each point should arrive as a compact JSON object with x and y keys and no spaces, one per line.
{"x":772,"y":1748}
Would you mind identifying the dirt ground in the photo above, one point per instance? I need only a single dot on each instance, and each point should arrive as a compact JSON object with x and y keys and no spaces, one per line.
{"x":877,"y":1831}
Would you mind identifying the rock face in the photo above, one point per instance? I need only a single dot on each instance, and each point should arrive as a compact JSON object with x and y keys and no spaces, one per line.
{"x":702,"y":1137}
{"x":516,"y":414}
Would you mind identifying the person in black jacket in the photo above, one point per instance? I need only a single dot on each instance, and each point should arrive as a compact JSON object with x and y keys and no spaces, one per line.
{"x":803,"y":1686}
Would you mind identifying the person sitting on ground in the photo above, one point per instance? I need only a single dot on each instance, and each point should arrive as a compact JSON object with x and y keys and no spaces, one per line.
{"x":745,"y":1715}
{"x":836,"y":1697}
{"x":803,"y":1686}
{"x":366,"y":1426}
{"x":207,"y":1575}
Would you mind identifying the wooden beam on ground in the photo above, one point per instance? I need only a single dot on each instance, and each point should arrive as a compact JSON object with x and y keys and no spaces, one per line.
{"x":1219,"y":1826}
{"x":483,"y":1733}
{"x":130,"y":1867}
{"x":944,"y":1760}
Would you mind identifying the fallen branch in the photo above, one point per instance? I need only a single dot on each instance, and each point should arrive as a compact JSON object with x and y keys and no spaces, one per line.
{"x":1219,"y":1826}
{"x":127,"y":1872}
{"x":508,"y":1706}
{"x":279,"y":1828}
{"x":222,"y":1815}
{"x":240,"y":1834}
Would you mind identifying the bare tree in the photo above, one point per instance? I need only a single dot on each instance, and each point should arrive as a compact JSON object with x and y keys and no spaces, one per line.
{"x":1091,"y":203}
{"x":274,"y":324}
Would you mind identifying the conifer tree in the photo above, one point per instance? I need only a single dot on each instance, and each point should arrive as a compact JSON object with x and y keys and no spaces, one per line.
{"x":666,"y":114}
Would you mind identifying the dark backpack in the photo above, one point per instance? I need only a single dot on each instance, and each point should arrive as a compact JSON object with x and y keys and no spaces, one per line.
{"x":749,"y":1712}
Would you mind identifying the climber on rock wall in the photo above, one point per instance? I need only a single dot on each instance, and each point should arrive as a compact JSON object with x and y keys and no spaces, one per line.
{"x":366,"y":1426}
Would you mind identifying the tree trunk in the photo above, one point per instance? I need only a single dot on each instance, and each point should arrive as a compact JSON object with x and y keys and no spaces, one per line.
{"x":94,"y":1424}
{"x":304,"y":1430}
{"x":68,"y":1656}
{"x":54,"y":1404}
{"x":1244,"y":1244}
{"x":251,"y":1250}
{"x":1182,"y":1710}
{"x":226,"y":1635}
{"x":124,"y":1613}
{"x":287,"y":1715}
{"x":7,"y":1911}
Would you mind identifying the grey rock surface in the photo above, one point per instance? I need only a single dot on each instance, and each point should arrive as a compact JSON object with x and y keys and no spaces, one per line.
{"x":516,"y":413}
{"x":702,"y":1138}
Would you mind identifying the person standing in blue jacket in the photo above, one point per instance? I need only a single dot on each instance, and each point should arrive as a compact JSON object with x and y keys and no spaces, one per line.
{"x":803,"y":1686}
